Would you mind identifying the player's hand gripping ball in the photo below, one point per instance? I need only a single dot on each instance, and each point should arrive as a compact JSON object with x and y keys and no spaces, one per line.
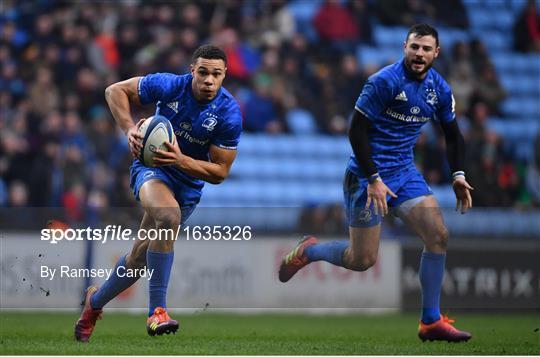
{"x":155,"y":130}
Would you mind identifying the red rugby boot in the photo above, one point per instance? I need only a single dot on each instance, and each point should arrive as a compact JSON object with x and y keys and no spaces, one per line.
{"x":85,"y":325}
{"x":295,"y":260}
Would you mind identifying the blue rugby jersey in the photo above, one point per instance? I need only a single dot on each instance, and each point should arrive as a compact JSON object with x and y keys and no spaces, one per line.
{"x":398,"y":106}
{"x":196,"y":125}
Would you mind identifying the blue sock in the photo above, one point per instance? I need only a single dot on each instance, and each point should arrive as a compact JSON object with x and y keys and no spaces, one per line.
{"x":431,"y":278}
{"x":112,"y":287}
{"x":161,"y":263}
{"x":331,"y":252}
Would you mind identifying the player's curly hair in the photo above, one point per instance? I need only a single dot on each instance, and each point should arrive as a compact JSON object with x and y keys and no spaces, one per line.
{"x":209,"y":52}
{"x":421,"y":30}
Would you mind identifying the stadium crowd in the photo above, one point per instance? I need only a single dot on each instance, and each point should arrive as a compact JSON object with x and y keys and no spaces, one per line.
{"x":60,"y":147}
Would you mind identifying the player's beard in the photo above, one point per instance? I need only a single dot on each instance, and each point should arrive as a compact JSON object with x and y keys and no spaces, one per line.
{"x":427,"y":67}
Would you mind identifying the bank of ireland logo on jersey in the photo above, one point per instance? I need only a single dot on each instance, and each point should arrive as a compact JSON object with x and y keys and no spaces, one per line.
{"x":185,"y":126}
{"x":415,"y":110}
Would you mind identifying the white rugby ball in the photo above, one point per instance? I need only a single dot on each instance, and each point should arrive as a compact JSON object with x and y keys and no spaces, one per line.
{"x":156,"y":130}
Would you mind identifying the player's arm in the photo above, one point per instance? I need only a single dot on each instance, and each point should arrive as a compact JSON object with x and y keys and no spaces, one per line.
{"x":455,"y":152}
{"x":214,"y":171}
{"x":119,"y":97}
{"x":359,"y":139}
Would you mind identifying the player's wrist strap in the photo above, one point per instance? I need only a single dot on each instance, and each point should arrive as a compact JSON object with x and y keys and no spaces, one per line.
{"x":458,"y":174}
{"x":374,"y":177}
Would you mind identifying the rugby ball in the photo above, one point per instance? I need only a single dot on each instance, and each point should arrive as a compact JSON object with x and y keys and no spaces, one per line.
{"x":155,"y":130}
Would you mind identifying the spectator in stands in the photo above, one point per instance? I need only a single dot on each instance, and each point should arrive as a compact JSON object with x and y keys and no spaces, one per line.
{"x":479,"y":55}
{"x":533,"y":174}
{"x":74,"y":202}
{"x":336,"y":28}
{"x":275,"y":25}
{"x":405,"y":13}
{"x":3,"y":193}
{"x":489,"y":90}
{"x":451,"y":13}
{"x":56,"y":58}
{"x":363,"y":15}
{"x":260,"y":114}
{"x":349,"y":80}
{"x":463,"y":84}
{"x":43,"y":94}
{"x":242,"y":59}
{"x":483,"y":158}
{"x":461,"y":58}
{"x":18,"y":194}
{"x":322,"y":219}
{"x":508,"y":181}
{"x":429,"y":148}
{"x":527,"y":29}
{"x":45,"y":167}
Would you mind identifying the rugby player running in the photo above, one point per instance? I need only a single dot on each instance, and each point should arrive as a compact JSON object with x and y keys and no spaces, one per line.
{"x":207,"y":123}
{"x":392,"y":108}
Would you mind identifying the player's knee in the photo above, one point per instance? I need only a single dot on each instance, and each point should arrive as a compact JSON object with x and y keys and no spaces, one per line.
{"x":440,"y":238}
{"x":167,"y":217}
{"x":362,"y":262}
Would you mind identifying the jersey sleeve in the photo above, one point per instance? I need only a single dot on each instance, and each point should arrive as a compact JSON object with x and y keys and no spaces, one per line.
{"x":447,"y":105}
{"x":158,"y":87}
{"x":375,"y":97}
{"x":229,"y":132}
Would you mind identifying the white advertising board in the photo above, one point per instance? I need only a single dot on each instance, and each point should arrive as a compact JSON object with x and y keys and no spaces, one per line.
{"x":215,"y":274}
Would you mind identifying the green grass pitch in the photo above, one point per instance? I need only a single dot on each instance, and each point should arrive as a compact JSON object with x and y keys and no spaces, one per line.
{"x":265,"y":334}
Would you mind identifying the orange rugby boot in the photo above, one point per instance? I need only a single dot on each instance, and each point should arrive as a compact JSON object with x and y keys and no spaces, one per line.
{"x":442,"y":330}
{"x":160,"y":323}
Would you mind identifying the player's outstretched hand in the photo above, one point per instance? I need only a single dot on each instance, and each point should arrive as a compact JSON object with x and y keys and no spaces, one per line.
{"x":376,"y":194}
{"x":171,"y":156}
{"x":462,"y":189}
{"x":135,"y":139}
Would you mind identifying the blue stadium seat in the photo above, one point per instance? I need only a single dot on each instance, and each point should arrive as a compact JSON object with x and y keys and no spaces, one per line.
{"x":518,"y":135}
{"x":513,"y":63}
{"x":303,"y":12}
{"x":448,"y":36}
{"x":504,"y":20}
{"x":494,"y":41}
{"x":480,"y":19}
{"x":522,"y":108}
{"x":386,"y":36}
{"x":517,"y":6}
{"x":445,"y":195}
{"x":514,"y":130}
{"x":521,"y":85}
{"x":367,"y":55}
{"x":301,"y":122}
